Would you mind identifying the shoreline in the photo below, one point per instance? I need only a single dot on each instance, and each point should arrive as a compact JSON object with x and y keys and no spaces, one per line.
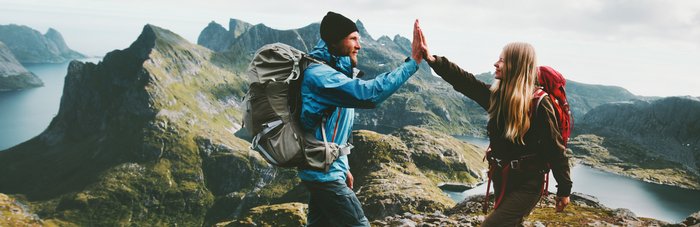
{"x":608,"y":168}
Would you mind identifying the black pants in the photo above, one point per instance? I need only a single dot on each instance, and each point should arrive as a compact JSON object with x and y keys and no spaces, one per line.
{"x":334,"y":204}
{"x":523,"y":191}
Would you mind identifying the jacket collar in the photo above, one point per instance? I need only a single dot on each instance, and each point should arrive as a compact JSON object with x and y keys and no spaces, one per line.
{"x":340,"y":63}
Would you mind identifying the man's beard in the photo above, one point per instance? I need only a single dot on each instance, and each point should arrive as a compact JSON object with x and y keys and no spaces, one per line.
{"x":353,"y":61}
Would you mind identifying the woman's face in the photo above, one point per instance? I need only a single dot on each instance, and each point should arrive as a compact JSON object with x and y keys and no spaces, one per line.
{"x":499,"y":66}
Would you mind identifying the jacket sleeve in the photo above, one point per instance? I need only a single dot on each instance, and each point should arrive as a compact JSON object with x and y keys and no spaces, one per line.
{"x":553,"y":146}
{"x":462,"y":81}
{"x":336,"y":89}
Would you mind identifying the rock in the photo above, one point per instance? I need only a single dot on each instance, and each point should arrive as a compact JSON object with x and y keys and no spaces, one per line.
{"x":584,"y":200}
{"x":286,"y":214}
{"x":388,"y":182}
{"x":470,"y":205}
{"x":455,"y":187}
{"x":693,"y":219}
{"x":13,"y":76}
{"x":15,"y":213}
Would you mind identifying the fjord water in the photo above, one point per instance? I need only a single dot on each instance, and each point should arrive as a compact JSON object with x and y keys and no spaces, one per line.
{"x":26,"y":113}
{"x":662,"y":202}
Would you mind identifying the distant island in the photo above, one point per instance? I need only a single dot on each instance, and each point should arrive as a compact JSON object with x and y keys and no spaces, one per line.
{"x":19,"y":45}
{"x":30,"y":46}
{"x":13,"y":76}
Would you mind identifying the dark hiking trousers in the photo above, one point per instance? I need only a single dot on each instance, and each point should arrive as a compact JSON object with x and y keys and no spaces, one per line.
{"x":520,"y":198}
{"x":333,"y":204}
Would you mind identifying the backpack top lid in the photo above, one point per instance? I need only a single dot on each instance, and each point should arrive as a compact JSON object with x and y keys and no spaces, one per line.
{"x":550,"y":79}
{"x":275,"y":62}
{"x":554,"y":83}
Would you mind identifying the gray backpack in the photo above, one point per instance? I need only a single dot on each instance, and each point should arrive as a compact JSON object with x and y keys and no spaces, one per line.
{"x":273,"y":106}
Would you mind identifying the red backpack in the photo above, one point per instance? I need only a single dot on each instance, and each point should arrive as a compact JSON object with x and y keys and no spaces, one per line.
{"x":553,"y":83}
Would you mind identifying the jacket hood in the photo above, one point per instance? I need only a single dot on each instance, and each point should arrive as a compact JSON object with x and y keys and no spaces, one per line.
{"x":340,"y":63}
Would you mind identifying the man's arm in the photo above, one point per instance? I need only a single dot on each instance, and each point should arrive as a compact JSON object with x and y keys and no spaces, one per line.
{"x":336,"y":89}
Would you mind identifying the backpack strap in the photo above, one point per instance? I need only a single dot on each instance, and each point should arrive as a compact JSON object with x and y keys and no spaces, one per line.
{"x":539,"y":95}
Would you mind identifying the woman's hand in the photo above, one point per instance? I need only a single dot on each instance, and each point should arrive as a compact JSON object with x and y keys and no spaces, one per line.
{"x":562,"y":202}
{"x":423,"y":44}
{"x":416,"y":50}
{"x":350,"y":179}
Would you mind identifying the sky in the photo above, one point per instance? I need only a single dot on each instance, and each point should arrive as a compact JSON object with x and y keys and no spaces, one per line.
{"x":649,"y":47}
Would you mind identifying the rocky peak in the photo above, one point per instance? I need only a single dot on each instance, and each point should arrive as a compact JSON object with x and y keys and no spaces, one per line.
{"x":362,"y":30}
{"x":215,"y":37}
{"x":238,"y":27}
{"x":57,"y":39}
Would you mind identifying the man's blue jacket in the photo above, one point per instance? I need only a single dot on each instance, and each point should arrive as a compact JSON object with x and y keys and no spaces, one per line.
{"x":325,"y":89}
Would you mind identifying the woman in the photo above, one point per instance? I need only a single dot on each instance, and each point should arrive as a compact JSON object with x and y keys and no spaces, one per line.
{"x":525,"y":139}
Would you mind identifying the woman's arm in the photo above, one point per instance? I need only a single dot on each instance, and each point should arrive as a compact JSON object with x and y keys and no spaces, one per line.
{"x":552,"y":146}
{"x":462,"y":81}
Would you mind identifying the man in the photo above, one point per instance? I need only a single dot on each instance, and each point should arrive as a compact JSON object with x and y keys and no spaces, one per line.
{"x":330,"y":92}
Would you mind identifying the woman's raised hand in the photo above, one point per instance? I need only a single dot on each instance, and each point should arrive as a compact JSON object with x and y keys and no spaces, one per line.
{"x":423,"y":44}
{"x":416,"y":46}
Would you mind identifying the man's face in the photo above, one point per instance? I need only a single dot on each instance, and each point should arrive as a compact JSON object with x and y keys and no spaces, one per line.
{"x":349,"y":46}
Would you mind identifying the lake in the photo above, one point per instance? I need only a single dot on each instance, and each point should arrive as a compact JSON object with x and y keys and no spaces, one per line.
{"x":662,"y":202}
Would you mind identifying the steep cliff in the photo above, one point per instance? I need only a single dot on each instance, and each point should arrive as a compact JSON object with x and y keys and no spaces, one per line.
{"x":30,"y":46}
{"x":13,"y":76}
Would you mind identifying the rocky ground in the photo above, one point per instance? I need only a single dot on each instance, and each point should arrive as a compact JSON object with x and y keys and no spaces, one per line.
{"x":14,"y":213}
{"x":584,"y":210}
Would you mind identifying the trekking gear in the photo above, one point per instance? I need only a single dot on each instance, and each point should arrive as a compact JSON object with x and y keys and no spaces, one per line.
{"x":273,"y":107}
{"x":553,"y":85}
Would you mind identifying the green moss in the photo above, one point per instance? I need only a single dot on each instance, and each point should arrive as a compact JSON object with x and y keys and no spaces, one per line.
{"x":573,"y":215}
{"x":287,"y":214}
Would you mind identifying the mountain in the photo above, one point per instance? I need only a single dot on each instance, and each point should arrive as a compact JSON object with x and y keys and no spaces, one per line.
{"x":658,"y":141}
{"x":144,"y":137}
{"x":217,"y":38}
{"x":13,"y":76}
{"x":30,"y":46}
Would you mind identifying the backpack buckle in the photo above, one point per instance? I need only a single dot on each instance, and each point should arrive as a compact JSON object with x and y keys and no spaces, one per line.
{"x":515,"y":164}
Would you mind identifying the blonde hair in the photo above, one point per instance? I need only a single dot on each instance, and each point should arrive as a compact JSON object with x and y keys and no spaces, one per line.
{"x":511,"y":96}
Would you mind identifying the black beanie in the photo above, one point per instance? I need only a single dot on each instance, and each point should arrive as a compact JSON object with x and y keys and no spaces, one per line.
{"x":334,"y":27}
